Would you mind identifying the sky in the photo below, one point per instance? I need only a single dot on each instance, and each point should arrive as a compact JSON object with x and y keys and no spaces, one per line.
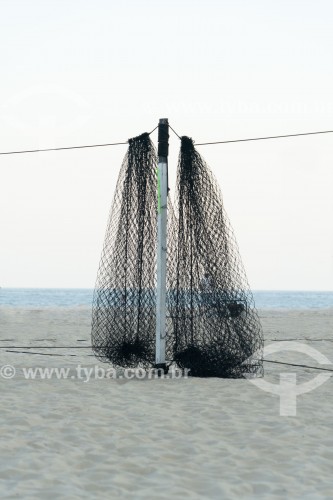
{"x":85,"y":72}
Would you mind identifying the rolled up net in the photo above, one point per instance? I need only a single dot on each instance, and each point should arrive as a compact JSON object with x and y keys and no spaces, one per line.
{"x":215,"y":325}
{"x":124,"y":304}
{"x":212,"y":325}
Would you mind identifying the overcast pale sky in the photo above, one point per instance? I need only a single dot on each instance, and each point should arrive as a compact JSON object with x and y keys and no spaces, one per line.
{"x":83,"y":72}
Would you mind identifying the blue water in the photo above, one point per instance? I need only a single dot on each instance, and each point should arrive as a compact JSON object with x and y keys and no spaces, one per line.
{"x":46,"y":297}
{"x":293,"y":300}
{"x":71,"y":297}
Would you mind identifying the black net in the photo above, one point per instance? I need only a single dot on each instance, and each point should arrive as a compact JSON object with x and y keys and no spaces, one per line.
{"x":212,"y":326}
{"x":124,"y":306}
{"x":215,"y":325}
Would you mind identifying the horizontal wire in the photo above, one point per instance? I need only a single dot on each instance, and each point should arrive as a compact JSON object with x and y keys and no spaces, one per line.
{"x":59,"y":149}
{"x":302,"y":366}
{"x":68,"y":147}
{"x":49,"y":347}
{"x":304,"y":340}
{"x":100,"y":347}
{"x":91,"y":355}
{"x":47,"y":354}
{"x":179,"y":137}
{"x":264,"y":138}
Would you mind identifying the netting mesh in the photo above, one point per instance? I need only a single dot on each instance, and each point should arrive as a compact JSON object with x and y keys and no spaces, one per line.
{"x":212,"y":326}
{"x":124,"y":306}
{"x":215,"y":325}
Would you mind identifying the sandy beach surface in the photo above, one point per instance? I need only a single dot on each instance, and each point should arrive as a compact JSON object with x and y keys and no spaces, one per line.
{"x":159,"y":439}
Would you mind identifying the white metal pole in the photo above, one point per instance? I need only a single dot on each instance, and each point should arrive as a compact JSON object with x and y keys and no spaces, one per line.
{"x":162,"y":180}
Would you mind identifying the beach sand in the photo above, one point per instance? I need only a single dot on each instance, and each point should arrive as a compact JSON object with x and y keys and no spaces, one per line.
{"x":159,"y":439}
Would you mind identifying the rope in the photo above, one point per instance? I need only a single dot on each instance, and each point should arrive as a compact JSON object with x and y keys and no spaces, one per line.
{"x":264,"y":138}
{"x":153,"y":130}
{"x":90,"y":346}
{"x":46,"y":347}
{"x":59,"y":149}
{"x":179,"y":137}
{"x":68,"y":147}
{"x":46,"y":354}
{"x":91,"y":355}
{"x":302,"y":366}
{"x":306,"y":340}
{"x":174,"y":132}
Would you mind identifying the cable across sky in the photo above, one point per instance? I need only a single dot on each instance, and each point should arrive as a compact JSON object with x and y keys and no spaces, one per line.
{"x":196,"y":144}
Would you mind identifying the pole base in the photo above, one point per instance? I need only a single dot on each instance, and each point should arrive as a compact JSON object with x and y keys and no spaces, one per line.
{"x":162,"y":368}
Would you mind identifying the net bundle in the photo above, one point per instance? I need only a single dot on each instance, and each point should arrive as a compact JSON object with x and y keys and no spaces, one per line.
{"x":212,"y":325}
{"x":124,"y":304}
{"x":215,"y":325}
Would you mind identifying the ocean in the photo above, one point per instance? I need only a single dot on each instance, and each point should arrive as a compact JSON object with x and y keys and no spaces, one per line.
{"x":73,"y":297}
